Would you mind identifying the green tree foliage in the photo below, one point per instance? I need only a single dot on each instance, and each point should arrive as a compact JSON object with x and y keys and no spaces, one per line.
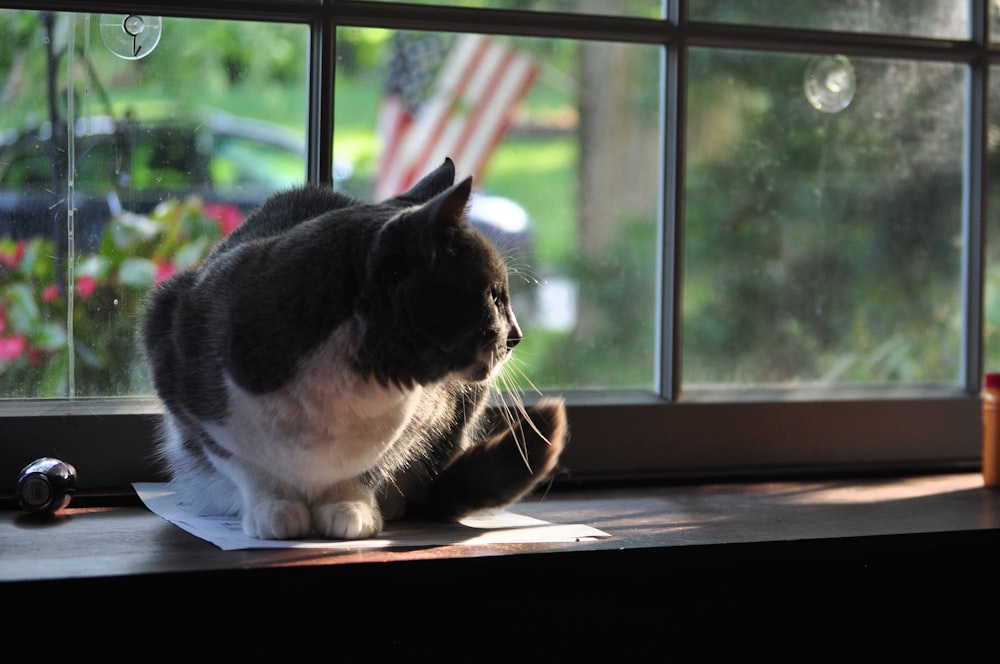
{"x":822,"y":246}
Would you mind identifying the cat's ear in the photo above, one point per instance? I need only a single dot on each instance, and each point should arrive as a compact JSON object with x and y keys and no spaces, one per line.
{"x":443,"y":213}
{"x":431,"y":184}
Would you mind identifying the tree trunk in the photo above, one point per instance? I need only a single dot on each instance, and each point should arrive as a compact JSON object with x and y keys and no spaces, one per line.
{"x":619,"y":149}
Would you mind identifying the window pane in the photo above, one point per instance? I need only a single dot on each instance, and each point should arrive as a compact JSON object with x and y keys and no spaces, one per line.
{"x":991,"y":294}
{"x":640,"y":8}
{"x":170,"y":142}
{"x":945,"y":19}
{"x":563,"y":142}
{"x":994,"y":21}
{"x":824,"y":220}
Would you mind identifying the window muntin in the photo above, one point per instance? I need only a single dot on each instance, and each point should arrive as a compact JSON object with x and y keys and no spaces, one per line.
{"x":587,"y":245}
{"x":620,"y":433}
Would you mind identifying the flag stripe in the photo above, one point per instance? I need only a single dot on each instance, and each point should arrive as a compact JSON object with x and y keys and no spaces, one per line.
{"x":480,"y":83}
{"x":489,"y":69}
{"x":394,"y":119}
{"x":487,"y":100}
{"x":423,"y":134}
{"x":484,"y":131}
{"x":436,"y":142}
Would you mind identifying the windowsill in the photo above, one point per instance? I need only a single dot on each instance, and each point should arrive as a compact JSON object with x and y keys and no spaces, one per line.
{"x":857,"y":538}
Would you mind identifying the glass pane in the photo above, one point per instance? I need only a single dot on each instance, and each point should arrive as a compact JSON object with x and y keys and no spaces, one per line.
{"x":639,"y":8}
{"x":945,"y":19}
{"x":564,"y":149}
{"x":991,"y":295}
{"x":824,"y":220}
{"x":164,"y":134}
{"x":994,"y":21}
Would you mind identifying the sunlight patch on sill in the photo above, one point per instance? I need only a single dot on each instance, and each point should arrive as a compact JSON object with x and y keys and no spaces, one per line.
{"x":852,"y":493}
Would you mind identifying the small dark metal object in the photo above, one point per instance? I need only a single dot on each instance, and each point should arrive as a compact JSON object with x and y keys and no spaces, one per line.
{"x":46,"y":485}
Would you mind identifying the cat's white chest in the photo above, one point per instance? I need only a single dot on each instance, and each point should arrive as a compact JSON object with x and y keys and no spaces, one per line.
{"x":329,"y":424}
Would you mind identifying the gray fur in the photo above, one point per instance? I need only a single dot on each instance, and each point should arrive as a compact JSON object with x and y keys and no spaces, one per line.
{"x":332,"y":361}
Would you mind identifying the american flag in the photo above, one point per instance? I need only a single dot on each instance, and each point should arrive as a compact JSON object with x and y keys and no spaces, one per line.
{"x":462,"y":112}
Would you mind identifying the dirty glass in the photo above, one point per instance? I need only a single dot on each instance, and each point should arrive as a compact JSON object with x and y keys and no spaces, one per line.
{"x":639,"y":8}
{"x":824,"y":220}
{"x":943,"y":19}
{"x":564,"y":152}
{"x":128,"y":145}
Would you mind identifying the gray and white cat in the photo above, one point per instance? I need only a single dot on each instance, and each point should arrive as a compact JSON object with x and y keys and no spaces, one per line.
{"x":330,"y":364}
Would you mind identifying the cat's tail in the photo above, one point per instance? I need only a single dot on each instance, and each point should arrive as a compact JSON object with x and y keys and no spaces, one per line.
{"x":520,"y":451}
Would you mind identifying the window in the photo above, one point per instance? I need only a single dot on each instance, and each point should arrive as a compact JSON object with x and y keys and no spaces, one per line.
{"x":745,"y":238}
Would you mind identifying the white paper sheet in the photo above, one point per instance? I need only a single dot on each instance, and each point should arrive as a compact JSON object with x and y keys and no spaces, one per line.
{"x":487,"y":527}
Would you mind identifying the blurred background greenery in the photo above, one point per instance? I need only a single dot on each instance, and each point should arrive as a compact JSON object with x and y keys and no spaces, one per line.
{"x":818,"y":247}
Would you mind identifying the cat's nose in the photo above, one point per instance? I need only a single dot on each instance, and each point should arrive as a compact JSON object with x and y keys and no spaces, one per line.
{"x":513,"y":336}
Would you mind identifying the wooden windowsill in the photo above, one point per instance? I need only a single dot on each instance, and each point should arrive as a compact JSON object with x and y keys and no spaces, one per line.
{"x":675,"y":545}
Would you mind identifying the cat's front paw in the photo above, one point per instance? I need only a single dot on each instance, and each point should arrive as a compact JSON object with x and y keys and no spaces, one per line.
{"x":347,"y":520}
{"x":277,"y":519}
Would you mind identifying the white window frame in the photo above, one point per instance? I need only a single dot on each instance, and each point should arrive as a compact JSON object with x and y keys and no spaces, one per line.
{"x":616,"y":435}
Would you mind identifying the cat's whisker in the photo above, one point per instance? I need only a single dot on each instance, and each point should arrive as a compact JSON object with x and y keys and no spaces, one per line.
{"x":506,"y":388}
{"x":520,"y":270}
{"x":516,"y":432}
{"x":502,"y":389}
{"x":527,"y":379}
{"x":520,"y":400}
{"x":528,"y":279}
{"x":548,"y":485}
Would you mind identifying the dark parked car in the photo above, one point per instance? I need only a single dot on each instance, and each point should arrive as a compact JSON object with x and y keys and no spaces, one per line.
{"x":125,"y":165}
{"x":134,"y":166}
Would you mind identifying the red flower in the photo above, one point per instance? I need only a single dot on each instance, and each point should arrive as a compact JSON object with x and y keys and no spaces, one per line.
{"x":228,"y":216}
{"x":163,"y":272}
{"x":36,"y":356}
{"x":85,"y":286}
{"x":11,"y":348}
{"x":50,"y":293}
{"x":12,"y":260}
{"x":3,"y":319}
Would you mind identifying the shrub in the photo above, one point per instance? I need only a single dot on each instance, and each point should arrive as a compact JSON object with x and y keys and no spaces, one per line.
{"x":42,"y":324}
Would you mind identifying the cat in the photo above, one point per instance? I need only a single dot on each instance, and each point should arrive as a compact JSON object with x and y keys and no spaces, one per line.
{"x":331,"y":364}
